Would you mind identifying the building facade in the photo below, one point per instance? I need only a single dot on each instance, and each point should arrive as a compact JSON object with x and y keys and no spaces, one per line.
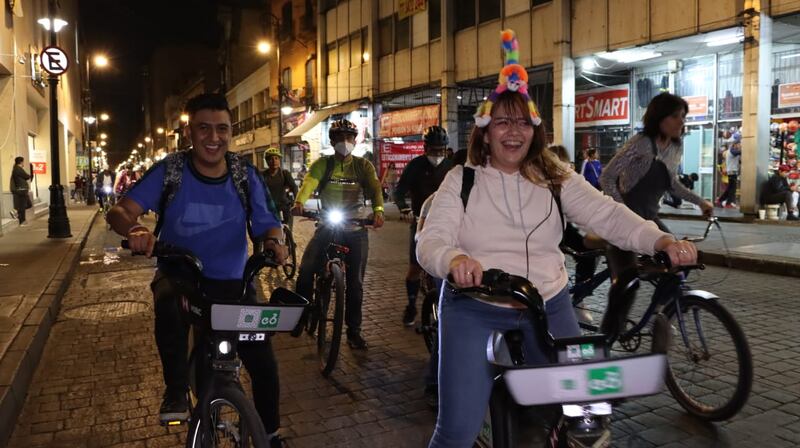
{"x":24,"y":98}
{"x":594,"y":65}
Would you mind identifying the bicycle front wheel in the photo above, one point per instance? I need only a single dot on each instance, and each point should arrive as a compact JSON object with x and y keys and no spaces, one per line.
{"x":710,"y":367}
{"x":229,"y":420}
{"x":330,"y":305}
{"x":290,"y":267}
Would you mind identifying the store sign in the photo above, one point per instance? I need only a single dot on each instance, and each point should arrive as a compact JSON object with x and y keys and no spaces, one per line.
{"x":39,"y":167}
{"x":600,"y":107}
{"x":789,"y":95}
{"x":406,"y":8}
{"x":698,"y":106}
{"x":409,"y":121}
{"x":399,"y":154}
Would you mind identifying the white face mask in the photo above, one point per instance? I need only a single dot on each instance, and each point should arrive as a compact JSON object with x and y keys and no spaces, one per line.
{"x":344,"y":148}
{"x":435,"y":160}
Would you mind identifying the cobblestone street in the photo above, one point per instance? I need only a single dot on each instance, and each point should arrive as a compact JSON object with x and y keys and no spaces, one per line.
{"x":99,"y":382}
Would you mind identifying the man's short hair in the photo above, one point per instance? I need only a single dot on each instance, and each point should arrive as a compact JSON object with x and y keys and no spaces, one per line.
{"x":213,"y":101}
{"x":18,"y":160}
{"x":591,"y":152}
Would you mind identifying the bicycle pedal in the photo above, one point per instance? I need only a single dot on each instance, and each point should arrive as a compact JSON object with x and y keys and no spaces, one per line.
{"x":172,"y":422}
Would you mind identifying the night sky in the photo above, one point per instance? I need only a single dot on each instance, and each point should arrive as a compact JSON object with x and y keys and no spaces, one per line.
{"x":127,"y":32}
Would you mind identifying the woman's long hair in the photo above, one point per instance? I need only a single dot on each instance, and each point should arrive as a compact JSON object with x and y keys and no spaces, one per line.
{"x":662,"y":106}
{"x":539,"y":166}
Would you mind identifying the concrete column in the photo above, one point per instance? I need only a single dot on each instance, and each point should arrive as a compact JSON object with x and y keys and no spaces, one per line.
{"x":564,"y":81}
{"x":322,"y":56}
{"x":756,"y":107}
{"x":449,"y":107}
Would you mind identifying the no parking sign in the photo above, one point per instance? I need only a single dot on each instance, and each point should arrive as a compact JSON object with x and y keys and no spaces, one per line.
{"x":54,"y":60}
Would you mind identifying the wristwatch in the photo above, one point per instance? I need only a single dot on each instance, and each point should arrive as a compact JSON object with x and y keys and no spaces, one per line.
{"x":279,"y":241}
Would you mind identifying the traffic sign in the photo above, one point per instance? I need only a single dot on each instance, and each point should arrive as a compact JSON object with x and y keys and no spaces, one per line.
{"x":54,"y":60}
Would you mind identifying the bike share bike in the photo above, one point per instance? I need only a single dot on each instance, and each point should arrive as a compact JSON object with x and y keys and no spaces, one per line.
{"x":326,"y":307}
{"x":221,"y":413}
{"x":710,"y":370}
{"x":581,"y":377}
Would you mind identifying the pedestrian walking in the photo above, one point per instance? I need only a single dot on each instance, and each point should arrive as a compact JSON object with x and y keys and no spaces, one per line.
{"x":20,"y":190}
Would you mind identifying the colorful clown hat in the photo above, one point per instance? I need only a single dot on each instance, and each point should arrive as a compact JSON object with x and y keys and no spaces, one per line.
{"x":513,"y":77}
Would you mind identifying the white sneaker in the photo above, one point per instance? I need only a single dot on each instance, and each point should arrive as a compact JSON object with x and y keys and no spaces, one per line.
{"x":24,"y":224}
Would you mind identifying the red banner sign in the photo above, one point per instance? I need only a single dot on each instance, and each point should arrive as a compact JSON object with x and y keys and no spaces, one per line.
{"x":698,"y":106}
{"x":599,"y":107}
{"x":409,"y":121}
{"x":39,"y":167}
{"x":399,"y":154}
{"x":789,"y":95}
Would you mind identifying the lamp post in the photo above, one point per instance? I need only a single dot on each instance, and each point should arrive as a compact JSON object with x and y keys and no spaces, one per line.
{"x":58,"y":222}
{"x":99,"y":61}
{"x":264,"y":48}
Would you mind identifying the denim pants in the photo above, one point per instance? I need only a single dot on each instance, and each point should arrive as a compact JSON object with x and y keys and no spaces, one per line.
{"x":465,"y":376}
{"x":314,"y":260}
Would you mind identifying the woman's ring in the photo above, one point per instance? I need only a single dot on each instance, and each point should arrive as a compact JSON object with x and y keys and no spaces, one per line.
{"x":683,"y":251}
{"x":469,"y":273}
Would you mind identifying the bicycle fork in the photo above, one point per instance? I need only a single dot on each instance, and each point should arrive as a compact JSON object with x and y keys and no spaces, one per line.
{"x":693,"y":354}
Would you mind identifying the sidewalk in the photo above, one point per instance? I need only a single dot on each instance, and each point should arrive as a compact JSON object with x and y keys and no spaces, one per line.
{"x":35,"y":272}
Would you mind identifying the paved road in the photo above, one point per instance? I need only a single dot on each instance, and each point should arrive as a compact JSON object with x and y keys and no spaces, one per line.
{"x":99,"y":382}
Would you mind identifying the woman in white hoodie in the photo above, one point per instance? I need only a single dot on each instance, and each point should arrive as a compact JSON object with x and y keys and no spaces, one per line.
{"x":511,"y":222}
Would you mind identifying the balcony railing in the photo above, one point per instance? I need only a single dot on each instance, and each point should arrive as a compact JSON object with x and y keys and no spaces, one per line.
{"x":259,"y":120}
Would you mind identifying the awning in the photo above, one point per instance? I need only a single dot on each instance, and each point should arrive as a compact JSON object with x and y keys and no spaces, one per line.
{"x":295,"y":134}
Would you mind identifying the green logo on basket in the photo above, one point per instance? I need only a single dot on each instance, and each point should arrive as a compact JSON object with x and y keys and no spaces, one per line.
{"x":568,"y":384}
{"x":269,"y":319}
{"x":605,"y":381}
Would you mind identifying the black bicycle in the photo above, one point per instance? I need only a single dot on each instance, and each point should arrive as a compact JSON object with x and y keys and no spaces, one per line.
{"x":429,"y":312}
{"x":290,"y":266}
{"x":326,"y":312}
{"x":580,"y":375}
{"x":221,"y":413}
{"x":710,"y":364}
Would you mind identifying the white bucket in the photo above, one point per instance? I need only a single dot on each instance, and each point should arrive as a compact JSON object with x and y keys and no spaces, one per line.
{"x":772,"y":211}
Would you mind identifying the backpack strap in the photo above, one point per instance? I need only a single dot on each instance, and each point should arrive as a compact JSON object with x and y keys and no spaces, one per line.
{"x":172,"y":183}
{"x":329,"y":161}
{"x":238,"y":167}
{"x":467,"y":181}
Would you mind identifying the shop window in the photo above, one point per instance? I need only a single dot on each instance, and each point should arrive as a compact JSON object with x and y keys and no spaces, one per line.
{"x":402,"y":34}
{"x":365,"y":45}
{"x":344,"y":54}
{"x":386,"y":36}
{"x":333,"y":59}
{"x":730,"y":85}
{"x":286,"y":79}
{"x":785,"y":70}
{"x":235,"y":114}
{"x":488,"y":10}
{"x":310,"y":78}
{"x":695,"y":83}
{"x":356,"y":49}
{"x":465,"y":14}
{"x":646,"y":85}
{"x":264,"y":99}
{"x":434,"y":19}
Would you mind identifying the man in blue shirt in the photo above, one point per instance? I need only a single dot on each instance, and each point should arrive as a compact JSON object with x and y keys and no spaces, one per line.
{"x":207,"y":215}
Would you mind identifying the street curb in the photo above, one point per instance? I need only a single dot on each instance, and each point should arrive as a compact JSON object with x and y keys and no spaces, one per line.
{"x":26,"y":349}
{"x":751,"y":264}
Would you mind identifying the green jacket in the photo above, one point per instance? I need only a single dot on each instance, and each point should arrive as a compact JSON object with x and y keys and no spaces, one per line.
{"x":352,"y":180}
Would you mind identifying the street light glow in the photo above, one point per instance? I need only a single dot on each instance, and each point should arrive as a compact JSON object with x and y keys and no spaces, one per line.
{"x":100,"y":60}
{"x":103,"y":136}
{"x":104,"y":116}
{"x":140,"y":145}
{"x":185,"y":118}
{"x":286,"y":110}
{"x":56,"y":26}
{"x":103,"y":143}
{"x":365,"y":56}
{"x":263,"y":47}
{"x":134,"y":152}
{"x":160,"y":130}
{"x":90,"y":119}
{"x":147,"y":139}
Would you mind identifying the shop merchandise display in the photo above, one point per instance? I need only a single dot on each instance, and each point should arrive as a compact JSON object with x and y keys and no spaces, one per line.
{"x":784,"y":138}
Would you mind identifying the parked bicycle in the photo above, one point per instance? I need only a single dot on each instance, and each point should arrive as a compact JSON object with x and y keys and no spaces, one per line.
{"x":710,"y":365}
{"x":221,"y":413}
{"x":326,"y":311}
{"x":580,"y":377}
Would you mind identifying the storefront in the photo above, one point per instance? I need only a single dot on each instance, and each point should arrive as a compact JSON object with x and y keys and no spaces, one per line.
{"x":400,"y":135}
{"x":785,"y":107}
{"x":602,"y":121}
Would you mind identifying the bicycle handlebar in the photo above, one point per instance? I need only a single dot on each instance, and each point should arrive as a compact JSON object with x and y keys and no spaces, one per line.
{"x":336,"y":218}
{"x":660,"y":264}
{"x":496,"y":282}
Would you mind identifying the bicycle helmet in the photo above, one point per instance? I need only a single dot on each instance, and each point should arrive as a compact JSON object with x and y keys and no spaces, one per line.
{"x":342,"y":127}
{"x":435,"y":136}
{"x":273,"y":151}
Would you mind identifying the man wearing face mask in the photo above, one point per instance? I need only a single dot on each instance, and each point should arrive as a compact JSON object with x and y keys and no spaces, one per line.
{"x":421,"y":178}
{"x":343,"y":181}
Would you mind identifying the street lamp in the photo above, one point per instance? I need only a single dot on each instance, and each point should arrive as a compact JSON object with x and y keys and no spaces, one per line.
{"x":100,"y":60}
{"x":104,"y":117}
{"x":103,"y":136}
{"x":58,"y":222}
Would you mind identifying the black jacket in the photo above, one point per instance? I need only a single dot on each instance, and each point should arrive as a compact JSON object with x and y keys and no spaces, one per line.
{"x":421,"y":179}
{"x":776,"y":184}
{"x":19,"y":180}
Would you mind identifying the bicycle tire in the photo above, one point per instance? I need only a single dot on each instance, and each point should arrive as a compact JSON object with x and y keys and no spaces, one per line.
{"x":428,"y":321}
{"x":693,"y":403}
{"x":290,"y":267}
{"x":328,"y":349}
{"x":250,"y":428}
{"x":313,"y":309}
{"x":502,"y":412}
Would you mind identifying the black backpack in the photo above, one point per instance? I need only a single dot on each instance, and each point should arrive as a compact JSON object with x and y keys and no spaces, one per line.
{"x":468,"y":180}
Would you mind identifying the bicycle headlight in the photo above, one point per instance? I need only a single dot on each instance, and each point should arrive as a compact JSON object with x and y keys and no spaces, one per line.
{"x":224,"y":347}
{"x":335,"y":217}
{"x":107,"y":189}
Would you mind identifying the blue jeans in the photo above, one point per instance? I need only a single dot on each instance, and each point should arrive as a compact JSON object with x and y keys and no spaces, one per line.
{"x":465,"y":376}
